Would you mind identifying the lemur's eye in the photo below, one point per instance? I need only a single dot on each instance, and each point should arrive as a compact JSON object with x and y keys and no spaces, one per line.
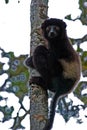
{"x":57,"y":28}
{"x":48,"y":28}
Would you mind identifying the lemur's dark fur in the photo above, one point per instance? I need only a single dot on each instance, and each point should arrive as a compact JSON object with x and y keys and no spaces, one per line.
{"x":57,"y":63}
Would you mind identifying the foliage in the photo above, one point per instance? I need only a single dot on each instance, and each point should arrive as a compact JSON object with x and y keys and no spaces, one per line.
{"x":83,"y":8}
{"x":17,"y":83}
{"x":6,"y":1}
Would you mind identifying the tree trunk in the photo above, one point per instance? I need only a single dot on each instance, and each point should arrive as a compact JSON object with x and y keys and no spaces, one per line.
{"x":38,"y":97}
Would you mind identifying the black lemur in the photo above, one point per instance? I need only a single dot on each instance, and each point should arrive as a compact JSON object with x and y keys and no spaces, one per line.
{"x":57,"y":62}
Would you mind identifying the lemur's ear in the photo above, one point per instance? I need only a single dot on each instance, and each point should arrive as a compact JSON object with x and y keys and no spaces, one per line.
{"x":64,"y":24}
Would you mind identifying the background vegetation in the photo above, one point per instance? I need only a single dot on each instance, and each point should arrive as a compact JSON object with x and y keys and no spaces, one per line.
{"x":18,"y":75}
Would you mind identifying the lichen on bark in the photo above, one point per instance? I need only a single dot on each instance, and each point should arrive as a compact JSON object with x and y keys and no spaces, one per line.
{"x":38,"y":96}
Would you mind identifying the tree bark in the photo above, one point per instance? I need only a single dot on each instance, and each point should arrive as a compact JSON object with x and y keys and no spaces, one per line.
{"x":38,"y":97}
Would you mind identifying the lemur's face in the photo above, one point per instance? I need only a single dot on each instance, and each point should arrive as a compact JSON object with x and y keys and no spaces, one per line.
{"x":52,"y":31}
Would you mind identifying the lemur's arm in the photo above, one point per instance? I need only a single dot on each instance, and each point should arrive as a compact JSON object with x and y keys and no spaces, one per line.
{"x":40,"y":61}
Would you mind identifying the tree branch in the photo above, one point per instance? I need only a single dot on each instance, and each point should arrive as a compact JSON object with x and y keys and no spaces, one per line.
{"x":38,"y":97}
